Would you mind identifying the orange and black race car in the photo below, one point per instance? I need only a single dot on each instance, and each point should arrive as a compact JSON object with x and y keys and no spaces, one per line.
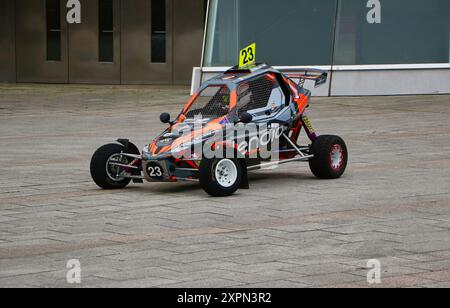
{"x":244,"y":120}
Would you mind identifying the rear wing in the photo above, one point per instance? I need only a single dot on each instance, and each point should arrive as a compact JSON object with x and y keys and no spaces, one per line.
{"x":319,"y":77}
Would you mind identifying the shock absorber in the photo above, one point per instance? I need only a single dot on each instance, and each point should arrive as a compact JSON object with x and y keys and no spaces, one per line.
{"x":308,"y":127}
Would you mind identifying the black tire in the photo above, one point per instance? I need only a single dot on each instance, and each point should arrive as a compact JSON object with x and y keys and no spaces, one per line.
{"x":98,"y":167}
{"x":324,"y":165}
{"x":209,"y":182}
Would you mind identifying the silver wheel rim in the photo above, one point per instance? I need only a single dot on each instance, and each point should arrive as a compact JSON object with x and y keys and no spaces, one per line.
{"x":114,"y":172}
{"x":226,"y":173}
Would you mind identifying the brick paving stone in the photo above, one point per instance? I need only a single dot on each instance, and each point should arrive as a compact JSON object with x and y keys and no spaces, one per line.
{"x":288,"y":230}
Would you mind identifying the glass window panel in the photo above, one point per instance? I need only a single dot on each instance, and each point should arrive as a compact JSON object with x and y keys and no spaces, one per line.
{"x":158,"y":40}
{"x":287,"y":32}
{"x":53,"y":16}
{"x":106,"y":31}
{"x":411,"y":31}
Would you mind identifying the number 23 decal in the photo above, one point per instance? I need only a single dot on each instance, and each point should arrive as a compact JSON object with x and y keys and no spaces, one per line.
{"x":155,"y":172}
{"x":247,"y":56}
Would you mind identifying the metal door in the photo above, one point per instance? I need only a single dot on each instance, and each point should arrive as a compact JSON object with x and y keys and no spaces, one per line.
{"x":7,"y":53}
{"x":139,"y":65}
{"x":94,"y":44}
{"x":41,"y":41}
{"x":189,"y":20}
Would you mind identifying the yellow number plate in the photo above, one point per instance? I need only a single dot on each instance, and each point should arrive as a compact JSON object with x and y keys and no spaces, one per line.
{"x":247,"y":56}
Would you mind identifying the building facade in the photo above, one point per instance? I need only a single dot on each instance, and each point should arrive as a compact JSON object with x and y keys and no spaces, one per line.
{"x":114,"y":42}
{"x":369,"y":47}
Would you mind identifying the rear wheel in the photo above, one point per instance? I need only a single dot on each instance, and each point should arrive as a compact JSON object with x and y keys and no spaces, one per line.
{"x":220,"y":177}
{"x":103,"y":171}
{"x":330,"y":157}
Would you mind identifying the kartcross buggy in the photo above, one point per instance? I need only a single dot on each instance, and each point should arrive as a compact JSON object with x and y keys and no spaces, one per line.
{"x":262,"y":96}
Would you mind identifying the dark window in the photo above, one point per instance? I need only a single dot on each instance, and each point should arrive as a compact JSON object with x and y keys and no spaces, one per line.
{"x":235,"y":24}
{"x":53,"y":12}
{"x":158,"y":31}
{"x":410,"y":32}
{"x":106,"y":31}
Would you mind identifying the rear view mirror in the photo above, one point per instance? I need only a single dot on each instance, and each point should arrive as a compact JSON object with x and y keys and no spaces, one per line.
{"x":165,"y":118}
{"x":245,"y":118}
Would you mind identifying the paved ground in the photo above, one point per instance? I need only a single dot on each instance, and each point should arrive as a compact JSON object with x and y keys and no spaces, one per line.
{"x":288,"y":230}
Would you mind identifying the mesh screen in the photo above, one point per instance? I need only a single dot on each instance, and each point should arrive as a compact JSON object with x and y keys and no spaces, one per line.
{"x":213,"y":102}
{"x":255,"y":94}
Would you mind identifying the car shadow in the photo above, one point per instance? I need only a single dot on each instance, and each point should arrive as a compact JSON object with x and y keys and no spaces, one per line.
{"x":254,"y":177}
{"x":277,"y":175}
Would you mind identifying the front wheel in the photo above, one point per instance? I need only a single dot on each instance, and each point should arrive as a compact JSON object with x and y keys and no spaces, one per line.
{"x":104,"y":171}
{"x":330,"y":157}
{"x":220,"y":177}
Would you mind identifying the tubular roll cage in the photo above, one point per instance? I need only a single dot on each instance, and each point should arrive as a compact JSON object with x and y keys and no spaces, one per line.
{"x":137,"y":160}
{"x":301,"y":152}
